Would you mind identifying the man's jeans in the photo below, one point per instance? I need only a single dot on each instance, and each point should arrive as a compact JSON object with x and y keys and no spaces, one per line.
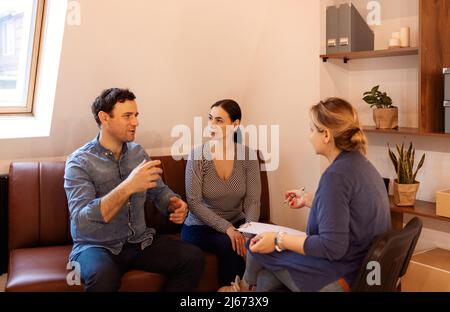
{"x":181,"y":263}
{"x":267,"y":281}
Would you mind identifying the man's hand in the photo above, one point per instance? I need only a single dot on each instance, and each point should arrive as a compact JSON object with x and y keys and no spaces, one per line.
{"x":178,"y":210}
{"x":144,"y":176}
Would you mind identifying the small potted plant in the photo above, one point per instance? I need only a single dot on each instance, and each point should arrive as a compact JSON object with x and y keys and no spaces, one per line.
{"x":406,"y":185}
{"x":385,"y":114}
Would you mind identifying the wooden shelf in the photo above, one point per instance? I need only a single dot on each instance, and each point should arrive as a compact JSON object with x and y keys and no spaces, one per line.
{"x":405,"y":131}
{"x":437,"y":134}
{"x":370,"y":54}
{"x":434,"y":29}
{"x":422,"y":209}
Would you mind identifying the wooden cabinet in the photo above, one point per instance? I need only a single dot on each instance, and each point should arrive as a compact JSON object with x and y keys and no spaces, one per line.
{"x":434,"y":55}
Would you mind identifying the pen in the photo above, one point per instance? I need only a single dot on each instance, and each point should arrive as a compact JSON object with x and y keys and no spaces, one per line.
{"x":291,"y":196}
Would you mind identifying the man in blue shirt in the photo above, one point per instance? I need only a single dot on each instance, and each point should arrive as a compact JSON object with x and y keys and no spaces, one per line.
{"x":107,"y":182}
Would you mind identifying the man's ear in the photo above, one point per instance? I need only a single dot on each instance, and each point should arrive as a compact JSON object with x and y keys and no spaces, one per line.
{"x":236,"y":123}
{"x":103,"y":117}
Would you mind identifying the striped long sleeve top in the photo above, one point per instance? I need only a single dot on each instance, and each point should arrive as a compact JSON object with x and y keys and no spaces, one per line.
{"x":220,"y":203}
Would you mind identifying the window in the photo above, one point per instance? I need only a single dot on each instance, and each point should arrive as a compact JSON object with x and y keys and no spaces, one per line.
{"x":20,"y":32}
{"x":8,"y":36}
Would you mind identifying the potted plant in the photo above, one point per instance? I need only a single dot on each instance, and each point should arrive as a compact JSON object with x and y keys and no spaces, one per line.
{"x":385,"y":115}
{"x":406,"y":185}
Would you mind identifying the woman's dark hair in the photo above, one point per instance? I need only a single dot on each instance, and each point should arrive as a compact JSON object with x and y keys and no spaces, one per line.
{"x":105,"y":102}
{"x":234,"y":111}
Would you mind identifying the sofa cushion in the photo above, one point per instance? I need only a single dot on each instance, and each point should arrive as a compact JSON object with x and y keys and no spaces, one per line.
{"x":44,"y":269}
{"x":39,"y":236}
{"x":39,"y":269}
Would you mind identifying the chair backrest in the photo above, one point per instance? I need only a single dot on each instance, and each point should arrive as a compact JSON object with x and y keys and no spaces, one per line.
{"x":388,"y":258}
{"x":38,"y":211}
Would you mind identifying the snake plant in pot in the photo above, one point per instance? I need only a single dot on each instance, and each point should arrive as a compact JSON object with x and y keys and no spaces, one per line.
{"x":406,"y":185}
{"x":385,"y":114}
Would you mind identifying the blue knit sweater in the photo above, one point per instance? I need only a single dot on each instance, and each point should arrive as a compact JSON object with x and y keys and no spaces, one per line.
{"x":350,"y":208}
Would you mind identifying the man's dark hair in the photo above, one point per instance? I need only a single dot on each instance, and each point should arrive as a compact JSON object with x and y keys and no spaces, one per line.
{"x":105,"y":102}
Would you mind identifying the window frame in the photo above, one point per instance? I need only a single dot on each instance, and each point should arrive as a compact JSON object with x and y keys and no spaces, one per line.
{"x":32,"y":80}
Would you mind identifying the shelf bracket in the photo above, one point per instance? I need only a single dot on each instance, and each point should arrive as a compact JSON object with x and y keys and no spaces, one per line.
{"x":346,"y":59}
{"x":325,"y":59}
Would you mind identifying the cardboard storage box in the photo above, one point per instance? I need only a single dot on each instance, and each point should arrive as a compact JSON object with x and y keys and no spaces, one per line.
{"x":428,"y":271}
{"x":443,"y":203}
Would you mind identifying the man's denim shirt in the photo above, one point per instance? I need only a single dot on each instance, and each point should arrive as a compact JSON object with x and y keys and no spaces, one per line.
{"x":91,"y":173}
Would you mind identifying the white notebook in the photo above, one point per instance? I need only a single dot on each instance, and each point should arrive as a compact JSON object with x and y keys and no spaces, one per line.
{"x":258,"y":228}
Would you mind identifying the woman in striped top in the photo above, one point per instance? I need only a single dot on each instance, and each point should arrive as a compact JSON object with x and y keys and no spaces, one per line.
{"x":223,"y":190}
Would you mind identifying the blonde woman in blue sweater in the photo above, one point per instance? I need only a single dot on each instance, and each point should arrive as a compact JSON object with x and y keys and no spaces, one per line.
{"x":349,"y":209}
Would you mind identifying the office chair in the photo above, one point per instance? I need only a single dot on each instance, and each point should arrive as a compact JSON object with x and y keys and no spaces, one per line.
{"x":392,"y":251}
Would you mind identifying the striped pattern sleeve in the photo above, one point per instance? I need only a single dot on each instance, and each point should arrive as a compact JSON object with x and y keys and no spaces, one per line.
{"x":252,"y":204}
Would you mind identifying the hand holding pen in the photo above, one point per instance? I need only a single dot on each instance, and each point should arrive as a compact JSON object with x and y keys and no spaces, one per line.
{"x":298,"y":198}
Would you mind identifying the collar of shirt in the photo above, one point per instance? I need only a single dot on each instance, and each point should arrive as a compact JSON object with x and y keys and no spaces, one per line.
{"x":106,"y":152}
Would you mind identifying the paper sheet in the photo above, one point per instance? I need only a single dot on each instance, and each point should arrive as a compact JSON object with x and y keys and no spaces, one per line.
{"x":258,"y":228}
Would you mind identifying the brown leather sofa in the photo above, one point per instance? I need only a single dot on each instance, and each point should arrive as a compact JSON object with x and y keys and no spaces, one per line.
{"x":39,"y":232}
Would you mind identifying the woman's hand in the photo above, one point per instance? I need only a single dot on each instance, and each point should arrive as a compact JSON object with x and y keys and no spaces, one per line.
{"x":237,"y":241}
{"x":263,"y":243}
{"x":298,"y":199}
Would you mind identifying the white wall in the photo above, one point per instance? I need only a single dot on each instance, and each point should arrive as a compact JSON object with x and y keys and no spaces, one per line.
{"x":179,"y":57}
{"x":283,"y":84}
{"x":399,"y":76}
